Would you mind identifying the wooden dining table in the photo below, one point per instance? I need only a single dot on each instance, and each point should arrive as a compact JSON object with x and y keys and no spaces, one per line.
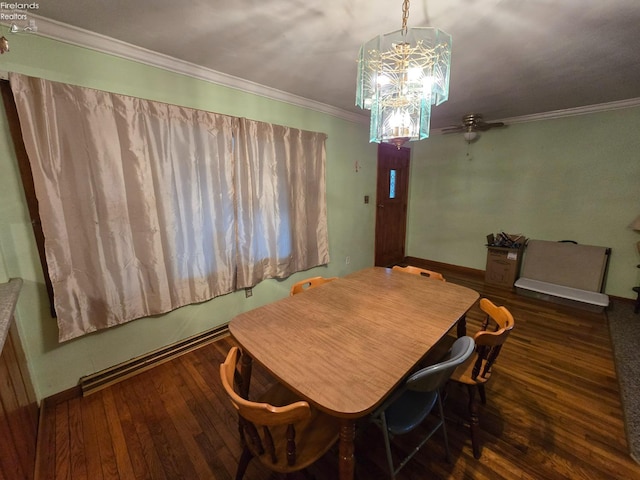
{"x":344,"y":346}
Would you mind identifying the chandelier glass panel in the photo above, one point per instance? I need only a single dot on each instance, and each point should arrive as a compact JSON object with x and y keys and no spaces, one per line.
{"x":400,"y":75}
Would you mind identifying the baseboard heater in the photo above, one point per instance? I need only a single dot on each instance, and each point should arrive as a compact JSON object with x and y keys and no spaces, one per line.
{"x":92,"y":383}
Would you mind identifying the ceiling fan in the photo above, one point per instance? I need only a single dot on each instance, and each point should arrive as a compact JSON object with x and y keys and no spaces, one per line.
{"x":472,"y":123}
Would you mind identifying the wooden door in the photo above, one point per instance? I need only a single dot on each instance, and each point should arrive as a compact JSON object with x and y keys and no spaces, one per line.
{"x":391,"y":201}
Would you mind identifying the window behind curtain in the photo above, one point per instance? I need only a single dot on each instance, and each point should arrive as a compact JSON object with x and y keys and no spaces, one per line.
{"x":282,"y":221}
{"x":141,"y":202}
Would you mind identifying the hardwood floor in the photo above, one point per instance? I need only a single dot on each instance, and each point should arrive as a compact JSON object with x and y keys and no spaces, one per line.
{"x":553,"y":412}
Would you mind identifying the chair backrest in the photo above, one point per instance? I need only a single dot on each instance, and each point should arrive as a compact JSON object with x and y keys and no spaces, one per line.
{"x":419,"y":271}
{"x":256,"y":416}
{"x":307,"y":283}
{"x":431,"y":378}
{"x":490,"y":338}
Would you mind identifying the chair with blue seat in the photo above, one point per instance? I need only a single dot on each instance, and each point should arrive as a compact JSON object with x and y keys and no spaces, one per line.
{"x":410,"y":404}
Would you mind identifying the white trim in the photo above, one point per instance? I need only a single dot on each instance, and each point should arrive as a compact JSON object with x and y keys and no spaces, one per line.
{"x":101,"y":43}
{"x":570,"y":112}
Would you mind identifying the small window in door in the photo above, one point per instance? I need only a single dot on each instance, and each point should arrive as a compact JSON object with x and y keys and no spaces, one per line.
{"x":392,"y":184}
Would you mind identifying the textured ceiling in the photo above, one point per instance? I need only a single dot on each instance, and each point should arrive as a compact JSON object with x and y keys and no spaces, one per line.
{"x":510,"y":58}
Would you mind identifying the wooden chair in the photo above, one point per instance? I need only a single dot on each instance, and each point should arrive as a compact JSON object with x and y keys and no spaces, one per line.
{"x":419,"y":271}
{"x":308,"y":283}
{"x":409,"y":405}
{"x":476,"y":371}
{"x":279,"y":429}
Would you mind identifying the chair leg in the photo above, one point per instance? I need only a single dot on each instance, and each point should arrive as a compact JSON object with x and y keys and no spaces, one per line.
{"x":461,"y":328}
{"x":243,"y":463}
{"x":444,"y":429}
{"x":474,"y":422}
{"x":387,"y":446}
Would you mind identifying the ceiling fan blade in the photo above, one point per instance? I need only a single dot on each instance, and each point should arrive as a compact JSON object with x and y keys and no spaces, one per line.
{"x":453,"y":129}
{"x":472,"y":122}
{"x":483,"y":127}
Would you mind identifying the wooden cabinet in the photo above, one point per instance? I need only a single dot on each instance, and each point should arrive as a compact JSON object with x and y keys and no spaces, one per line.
{"x":18,"y":404}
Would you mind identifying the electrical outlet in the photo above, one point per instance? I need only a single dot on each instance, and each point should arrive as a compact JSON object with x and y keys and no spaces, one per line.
{"x":347,"y":260}
{"x":248,"y":292}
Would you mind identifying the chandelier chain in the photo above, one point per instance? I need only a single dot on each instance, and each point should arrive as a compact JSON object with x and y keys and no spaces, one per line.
{"x":405,"y":15}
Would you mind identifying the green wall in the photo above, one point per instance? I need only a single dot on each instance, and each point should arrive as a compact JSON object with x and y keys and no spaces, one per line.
{"x":575,"y":178}
{"x":56,"y":367}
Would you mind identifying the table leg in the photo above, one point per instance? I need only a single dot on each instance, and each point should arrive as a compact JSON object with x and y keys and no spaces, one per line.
{"x":462,"y":326}
{"x":346,"y":460}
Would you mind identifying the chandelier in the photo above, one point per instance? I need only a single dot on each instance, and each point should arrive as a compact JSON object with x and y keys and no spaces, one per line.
{"x":400,"y":75}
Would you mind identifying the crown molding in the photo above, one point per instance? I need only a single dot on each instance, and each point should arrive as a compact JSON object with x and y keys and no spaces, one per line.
{"x":101,"y":43}
{"x":571,"y":112}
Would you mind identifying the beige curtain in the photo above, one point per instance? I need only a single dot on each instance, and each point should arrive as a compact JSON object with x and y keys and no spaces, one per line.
{"x":145,"y":209}
{"x":282,"y":218}
{"x":136,"y":202}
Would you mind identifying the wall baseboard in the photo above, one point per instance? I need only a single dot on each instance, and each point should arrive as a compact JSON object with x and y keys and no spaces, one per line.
{"x":92,"y":383}
{"x":433,"y":265}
